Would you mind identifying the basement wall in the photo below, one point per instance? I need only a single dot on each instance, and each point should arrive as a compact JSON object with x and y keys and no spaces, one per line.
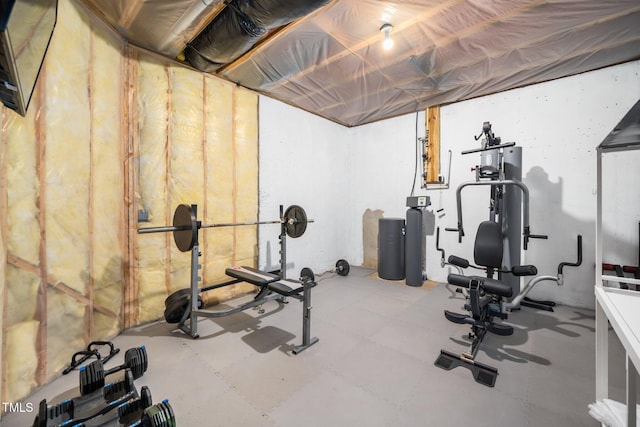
{"x":303,"y":161}
{"x":558,"y":124}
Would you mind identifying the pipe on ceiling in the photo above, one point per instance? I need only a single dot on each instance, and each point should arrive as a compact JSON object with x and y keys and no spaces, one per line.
{"x":239,"y":26}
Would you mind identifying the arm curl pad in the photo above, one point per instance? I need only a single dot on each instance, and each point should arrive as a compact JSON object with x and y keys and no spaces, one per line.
{"x":496,"y":287}
{"x":491,"y":286}
{"x":460,"y":262}
{"x":524,"y":270}
{"x":459,"y":280}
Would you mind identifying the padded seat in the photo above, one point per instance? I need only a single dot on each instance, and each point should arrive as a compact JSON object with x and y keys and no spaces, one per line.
{"x":286,"y":287}
{"x":251,"y":275}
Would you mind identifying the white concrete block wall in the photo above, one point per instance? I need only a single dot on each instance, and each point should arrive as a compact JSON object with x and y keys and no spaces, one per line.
{"x":341,"y":172}
{"x":303,"y":161}
{"x":559,"y":125}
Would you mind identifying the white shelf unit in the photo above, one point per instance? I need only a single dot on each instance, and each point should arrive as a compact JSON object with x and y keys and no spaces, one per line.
{"x":618,"y":307}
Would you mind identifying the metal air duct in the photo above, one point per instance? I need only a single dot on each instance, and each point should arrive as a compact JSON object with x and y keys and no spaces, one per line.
{"x":239,"y":26}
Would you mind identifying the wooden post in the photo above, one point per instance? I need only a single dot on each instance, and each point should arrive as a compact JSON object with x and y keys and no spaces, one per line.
{"x":130,"y":141}
{"x":41,"y":170}
{"x":432,"y":145}
{"x":3,"y":248}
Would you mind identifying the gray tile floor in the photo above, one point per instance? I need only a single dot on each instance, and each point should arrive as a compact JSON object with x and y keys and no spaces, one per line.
{"x":373,"y":365}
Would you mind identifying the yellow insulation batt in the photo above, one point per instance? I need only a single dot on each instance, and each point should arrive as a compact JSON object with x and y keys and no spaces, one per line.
{"x":246,"y":164}
{"x":20,"y":379}
{"x":23,"y":239}
{"x":21,"y":266}
{"x":23,"y":187}
{"x":66,"y":328}
{"x":22,"y":296}
{"x":67,"y":161}
{"x":67,"y":158}
{"x":218,"y":243}
{"x":108,"y":172}
{"x":153,"y":127}
{"x":186,"y":171}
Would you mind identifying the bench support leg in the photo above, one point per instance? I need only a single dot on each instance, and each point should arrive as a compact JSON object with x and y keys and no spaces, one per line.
{"x":307,"y":341}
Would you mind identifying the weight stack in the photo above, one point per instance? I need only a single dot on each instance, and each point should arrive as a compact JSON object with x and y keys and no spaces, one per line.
{"x":391,"y":248}
{"x":413,"y":247}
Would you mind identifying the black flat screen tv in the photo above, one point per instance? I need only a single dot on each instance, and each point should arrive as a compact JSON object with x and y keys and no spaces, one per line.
{"x":26,"y":27}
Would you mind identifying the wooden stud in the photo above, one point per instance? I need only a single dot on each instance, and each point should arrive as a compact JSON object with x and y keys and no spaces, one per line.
{"x":234,"y":191}
{"x":432,"y":148}
{"x":56,"y":284}
{"x":41,"y":171}
{"x":131,"y":144}
{"x":3,"y":240}
{"x":205,"y":167}
{"x":88,"y":311}
{"x":169,"y":208}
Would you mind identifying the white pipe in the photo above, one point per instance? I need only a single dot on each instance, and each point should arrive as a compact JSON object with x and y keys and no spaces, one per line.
{"x":515,"y":303}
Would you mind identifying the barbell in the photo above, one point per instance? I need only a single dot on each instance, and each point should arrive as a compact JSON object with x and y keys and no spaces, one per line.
{"x":186,"y":225}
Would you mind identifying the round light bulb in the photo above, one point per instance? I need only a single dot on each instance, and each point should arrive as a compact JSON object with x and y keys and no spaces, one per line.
{"x":386,"y":30}
{"x":387,"y":43}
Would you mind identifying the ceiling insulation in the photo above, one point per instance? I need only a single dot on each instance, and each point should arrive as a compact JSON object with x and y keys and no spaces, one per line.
{"x":331,"y":61}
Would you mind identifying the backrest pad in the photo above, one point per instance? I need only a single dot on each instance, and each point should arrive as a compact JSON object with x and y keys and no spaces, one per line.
{"x":487,"y":250}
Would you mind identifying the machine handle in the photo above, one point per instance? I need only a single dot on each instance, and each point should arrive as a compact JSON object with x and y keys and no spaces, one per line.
{"x":538,"y":236}
{"x":443,"y":255}
{"x":573,"y":264}
{"x":528,"y":235}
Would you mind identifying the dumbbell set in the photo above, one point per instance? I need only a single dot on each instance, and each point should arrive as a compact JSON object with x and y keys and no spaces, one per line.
{"x":92,"y":376}
{"x":114,"y":403}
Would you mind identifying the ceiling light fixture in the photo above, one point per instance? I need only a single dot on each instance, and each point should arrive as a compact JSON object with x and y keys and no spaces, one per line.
{"x":388,"y":42}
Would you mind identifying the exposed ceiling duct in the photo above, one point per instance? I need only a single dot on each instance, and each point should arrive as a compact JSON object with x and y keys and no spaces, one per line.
{"x":239,"y":26}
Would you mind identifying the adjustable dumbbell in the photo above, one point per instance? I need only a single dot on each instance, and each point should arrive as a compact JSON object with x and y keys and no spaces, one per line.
{"x":92,"y":376}
{"x":98,"y":403}
{"x":159,"y":415}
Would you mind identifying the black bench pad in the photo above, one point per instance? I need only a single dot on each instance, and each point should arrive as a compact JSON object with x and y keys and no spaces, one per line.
{"x":286,"y":287}
{"x":252,"y":275}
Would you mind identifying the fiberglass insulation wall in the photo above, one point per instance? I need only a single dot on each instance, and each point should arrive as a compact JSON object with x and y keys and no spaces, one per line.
{"x":112,"y":131}
{"x":197,"y":143}
{"x":62,"y":210}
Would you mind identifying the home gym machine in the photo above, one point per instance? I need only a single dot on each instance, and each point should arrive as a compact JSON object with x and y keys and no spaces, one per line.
{"x":186,"y":304}
{"x":497,"y":245}
{"x":501,"y":169}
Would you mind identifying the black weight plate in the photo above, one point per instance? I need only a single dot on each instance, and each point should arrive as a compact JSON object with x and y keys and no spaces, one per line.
{"x":91,"y":377}
{"x":184,"y":216}
{"x":177,"y":295}
{"x":145,"y":397}
{"x":342,"y":267}
{"x":159,"y":415}
{"x":308,"y":273}
{"x":136,"y":360}
{"x":295,"y":220}
{"x":173,"y":313}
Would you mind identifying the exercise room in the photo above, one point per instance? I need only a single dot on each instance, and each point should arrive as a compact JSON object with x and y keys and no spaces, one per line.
{"x":319,"y":213}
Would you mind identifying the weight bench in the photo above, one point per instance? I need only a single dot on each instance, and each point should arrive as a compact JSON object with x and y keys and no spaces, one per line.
{"x":269,"y":282}
{"x":271,"y":287}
